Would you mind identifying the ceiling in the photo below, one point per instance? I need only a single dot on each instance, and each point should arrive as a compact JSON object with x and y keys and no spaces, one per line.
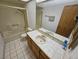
{"x":14,"y":3}
{"x":19,"y":3}
{"x":55,"y":2}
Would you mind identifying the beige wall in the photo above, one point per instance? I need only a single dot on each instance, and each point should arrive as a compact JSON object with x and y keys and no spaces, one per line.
{"x":38,"y":17}
{"x":11,"y":21}
{"x":9,"y":17}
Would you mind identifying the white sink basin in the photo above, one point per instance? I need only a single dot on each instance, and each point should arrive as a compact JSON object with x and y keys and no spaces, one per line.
{"x":41,"y":39}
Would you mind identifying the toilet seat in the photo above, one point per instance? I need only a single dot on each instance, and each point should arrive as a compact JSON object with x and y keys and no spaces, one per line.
{"x":23,"y":35}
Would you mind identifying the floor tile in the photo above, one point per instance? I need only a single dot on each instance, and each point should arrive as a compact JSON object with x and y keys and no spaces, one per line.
{"x":7,"y":57}
{"x":13,"y":54}
{"x":18,"y":49}
{"x":15,"y":57}
{"x":20,"y":56}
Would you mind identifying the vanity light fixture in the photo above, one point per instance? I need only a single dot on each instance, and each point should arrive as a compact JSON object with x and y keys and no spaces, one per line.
{"x":38,"y":1}
{"x":25,"y":0}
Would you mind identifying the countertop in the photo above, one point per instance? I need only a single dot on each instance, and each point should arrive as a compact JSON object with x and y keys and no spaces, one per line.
{"x":51,"y":48}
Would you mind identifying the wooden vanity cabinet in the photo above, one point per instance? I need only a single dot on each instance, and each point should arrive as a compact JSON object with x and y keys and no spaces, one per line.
{"x":33,"y":46}
{"x":29,"y":41}
{"x":35,"y":49}
{"x":43,"y":56}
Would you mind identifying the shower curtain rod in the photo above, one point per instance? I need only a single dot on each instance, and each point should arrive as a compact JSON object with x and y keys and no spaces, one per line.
{"x":12,"y":7}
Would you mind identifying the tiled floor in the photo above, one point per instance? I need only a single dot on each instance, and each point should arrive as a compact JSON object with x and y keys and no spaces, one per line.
{"x":18,"y":49}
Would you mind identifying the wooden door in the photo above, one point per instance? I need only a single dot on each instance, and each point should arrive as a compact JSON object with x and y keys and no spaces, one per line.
{"x":67,"y":22}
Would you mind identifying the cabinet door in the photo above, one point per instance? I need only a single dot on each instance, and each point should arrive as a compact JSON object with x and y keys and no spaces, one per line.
{"x":35,"y":50}
{"x":29,"y":41}
{"x":43,"y":56}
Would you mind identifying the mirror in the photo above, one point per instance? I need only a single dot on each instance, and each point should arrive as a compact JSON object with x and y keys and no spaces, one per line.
{"x":56,"y":17}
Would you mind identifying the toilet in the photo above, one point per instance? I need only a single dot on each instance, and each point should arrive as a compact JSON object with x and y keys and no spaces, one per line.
{"x":25,"y":34}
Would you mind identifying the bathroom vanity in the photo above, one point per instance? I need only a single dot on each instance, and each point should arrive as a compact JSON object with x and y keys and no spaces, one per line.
{"x":46,"y":44}
{"x":36,"y":50}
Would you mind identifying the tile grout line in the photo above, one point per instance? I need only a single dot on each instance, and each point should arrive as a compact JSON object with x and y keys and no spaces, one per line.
{"x":22,"y":52}
{"x":20,"y":47}
{"x":4,"y":50}
{"x":9,"y":49}
{"x":16,"y":49}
